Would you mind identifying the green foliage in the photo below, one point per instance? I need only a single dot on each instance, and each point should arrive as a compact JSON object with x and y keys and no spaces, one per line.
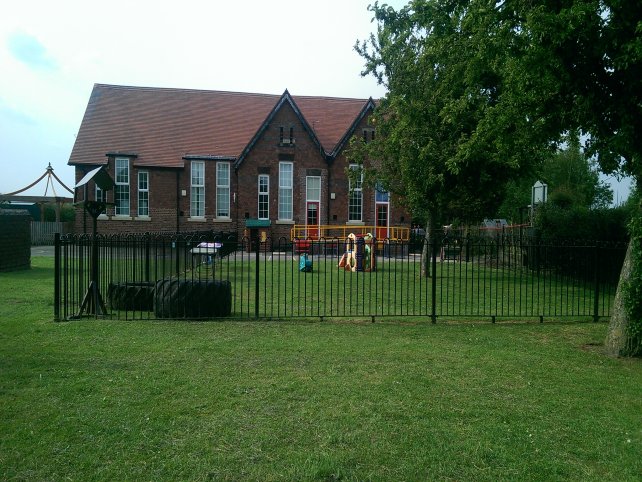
{"x":433,"y":143}
{"x":478,"y":89}
{"x":67,"y":212}
{"x":605,"y":228}
{"x":555,"y":223}
{"x":517,"y":198}
{"x":573,"y":180}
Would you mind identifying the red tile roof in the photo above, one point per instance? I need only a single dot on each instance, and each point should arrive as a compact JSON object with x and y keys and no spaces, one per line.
{"x":162,"y":125}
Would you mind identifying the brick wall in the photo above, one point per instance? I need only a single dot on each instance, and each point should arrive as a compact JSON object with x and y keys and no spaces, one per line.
{"x":162,"y":204}
{"x":340,"y":186}
{"x":169,"y":189}
{"x":15,"y":240}
{"x":265,"y":157}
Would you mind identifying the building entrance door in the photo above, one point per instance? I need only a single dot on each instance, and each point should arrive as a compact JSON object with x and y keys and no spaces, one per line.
{"x":312,"y":220}
{"x":382,"y":230}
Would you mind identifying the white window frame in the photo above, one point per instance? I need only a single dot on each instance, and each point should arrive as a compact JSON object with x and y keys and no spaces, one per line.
{"x":197,"y":190}
{"x":355,"y":196}
{"x":143,"y":194}
{"x":286,"y":192}
{"x":121,"y":188}
{"x":223,"y":190}
{"x":263,"y":200}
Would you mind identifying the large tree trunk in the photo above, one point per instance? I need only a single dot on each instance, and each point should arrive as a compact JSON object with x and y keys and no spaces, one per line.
{"x":616,"y":337}
{"x":426,"y":250}
{"x":425,"y":254}
{"x":618,"y":341}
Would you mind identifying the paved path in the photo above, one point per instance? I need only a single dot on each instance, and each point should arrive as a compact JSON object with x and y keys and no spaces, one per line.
{"x":42,"y":251}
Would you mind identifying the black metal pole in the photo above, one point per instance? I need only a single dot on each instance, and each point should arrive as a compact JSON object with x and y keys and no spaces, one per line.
{"x":433,"y":311}
{"x":596,"y":277}
{"x":57,"y":277}
{"x":94,"y":267}
{"x":256,"y":276}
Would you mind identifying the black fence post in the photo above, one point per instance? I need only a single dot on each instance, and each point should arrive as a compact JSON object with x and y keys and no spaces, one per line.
{"x":256,"y":274}
{"x":147,"y":260}
{"x":433,"y":267}
{"x":596,"y":277}
{"x":467,"y":247}
{"x":57,"y":277}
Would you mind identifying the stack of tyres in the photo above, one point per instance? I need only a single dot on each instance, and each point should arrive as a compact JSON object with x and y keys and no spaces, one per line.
{"x":192,"y":299}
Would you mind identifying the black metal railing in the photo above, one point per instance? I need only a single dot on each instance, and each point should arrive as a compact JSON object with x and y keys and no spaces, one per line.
{"x":205,"y":275}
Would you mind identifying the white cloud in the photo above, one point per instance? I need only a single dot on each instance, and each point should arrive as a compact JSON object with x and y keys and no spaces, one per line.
{"x":51,"y":54}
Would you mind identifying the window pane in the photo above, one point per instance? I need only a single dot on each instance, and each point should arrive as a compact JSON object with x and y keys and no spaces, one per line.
{"x":264,"y":196}
{"x":313,"y":192}
{"x":121,"y":189}
{"x":285,"y":174}
{"x":285,"y":190}
{"x":355,"y":201}
{"x":354,"y":207}
{"x":381,"y":195}
{"x":285,"y":203}
{"x":143,"y":181}
{"x":223,"y":174}
{"x":143,"y":204}
{"x":121,"y":194}
{"x":198,"y":173}
{"x":222,"y":190}
{"x":197,"y":204}
{"x":122,"y":171}
{"x":143,"y":193}
{"x":222,"y":202}
{"x":197,"y":192}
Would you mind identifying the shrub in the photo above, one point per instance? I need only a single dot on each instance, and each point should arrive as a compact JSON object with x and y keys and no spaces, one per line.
{"x":554,"y":223}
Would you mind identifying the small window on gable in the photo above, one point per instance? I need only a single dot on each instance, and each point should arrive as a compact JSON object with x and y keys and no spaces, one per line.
{"x":286,"y":135}
{"x":368,"y":134}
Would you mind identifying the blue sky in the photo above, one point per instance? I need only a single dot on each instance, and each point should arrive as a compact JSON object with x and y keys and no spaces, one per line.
{"x":51,"y":54}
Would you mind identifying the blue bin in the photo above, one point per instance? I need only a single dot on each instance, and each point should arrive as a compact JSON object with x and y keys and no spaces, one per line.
{"x":305,"y":264}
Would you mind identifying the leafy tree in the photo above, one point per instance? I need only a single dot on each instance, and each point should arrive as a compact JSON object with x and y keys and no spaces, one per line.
{"x":439,"y":91}
{"x":479,"y":89}
{"x":573,"y":180}
{"x":67,"y":212}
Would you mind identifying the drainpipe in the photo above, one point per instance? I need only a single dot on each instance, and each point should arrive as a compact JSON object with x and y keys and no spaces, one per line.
{"x":327,"y":195}
{"x":178,"y":200}
{"x":235,"y":197}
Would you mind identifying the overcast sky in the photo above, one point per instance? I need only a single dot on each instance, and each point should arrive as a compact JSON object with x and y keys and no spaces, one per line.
{"x":52,"y":53}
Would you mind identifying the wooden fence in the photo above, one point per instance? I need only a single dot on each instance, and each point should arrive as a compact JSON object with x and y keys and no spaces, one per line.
{"x":42,"y":233}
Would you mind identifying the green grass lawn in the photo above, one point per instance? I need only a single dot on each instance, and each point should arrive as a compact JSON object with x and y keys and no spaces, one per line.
{"x":150,"y":400}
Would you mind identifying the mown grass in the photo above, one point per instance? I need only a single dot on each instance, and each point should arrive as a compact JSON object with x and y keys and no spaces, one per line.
{"x":150,"y":400}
